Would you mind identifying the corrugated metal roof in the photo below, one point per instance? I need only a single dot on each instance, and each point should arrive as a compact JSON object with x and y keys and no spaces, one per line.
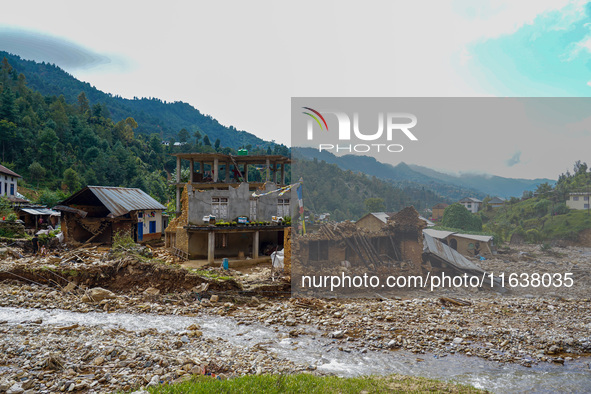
{"x":122,"y":200}
{"x":429,"y":223}
{"x":481,"y":238}
{"x":40,"y":211}
{"x":470,"y":199}
{"x":383,"y":216}
{"x":446,"y":253}
{"x":439,"y":234}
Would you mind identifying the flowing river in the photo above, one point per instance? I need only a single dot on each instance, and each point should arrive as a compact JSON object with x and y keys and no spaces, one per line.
{"x":323,"y":353}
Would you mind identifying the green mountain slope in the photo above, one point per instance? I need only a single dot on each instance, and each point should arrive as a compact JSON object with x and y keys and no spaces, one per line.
{"x":152,"y":115}
{"x":401,"y":175}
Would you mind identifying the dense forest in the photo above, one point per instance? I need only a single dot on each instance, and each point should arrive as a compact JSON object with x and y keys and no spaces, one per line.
{"x":151,"y":114}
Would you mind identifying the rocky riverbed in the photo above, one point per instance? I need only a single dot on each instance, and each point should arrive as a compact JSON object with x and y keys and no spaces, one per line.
{"x":72,"y":344}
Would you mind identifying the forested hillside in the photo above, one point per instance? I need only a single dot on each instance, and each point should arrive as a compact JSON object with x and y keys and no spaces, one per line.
{"x":152,"y":115}
{"x":61,"y":147}
{"x":350,"y":195}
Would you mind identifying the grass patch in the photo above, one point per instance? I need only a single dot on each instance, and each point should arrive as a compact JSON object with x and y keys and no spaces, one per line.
{"x":306,"y":383}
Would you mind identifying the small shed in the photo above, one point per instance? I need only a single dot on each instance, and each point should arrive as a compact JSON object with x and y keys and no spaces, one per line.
{"x":96,"y":213}
{"x":466,"y":244}
{"x":38,"y":217}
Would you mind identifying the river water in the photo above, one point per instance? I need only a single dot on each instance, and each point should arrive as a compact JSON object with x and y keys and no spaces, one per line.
{"x":323,"y":353}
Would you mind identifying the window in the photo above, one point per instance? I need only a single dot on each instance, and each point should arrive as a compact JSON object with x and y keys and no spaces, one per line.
{"x":469,"y":206}
{"x":575,"y":198}
{"x":283,"y":207}
{"x":219,"y":207}
{"x":586,"y":198}
{"x":140,"y":214}
{"x":152,"y":228}
{"x":586,"y":206}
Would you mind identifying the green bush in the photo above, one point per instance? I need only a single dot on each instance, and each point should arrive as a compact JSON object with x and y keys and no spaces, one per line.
{"x":534,"y":236}
{"x":123,"y":240}
{"x":560,"y":209}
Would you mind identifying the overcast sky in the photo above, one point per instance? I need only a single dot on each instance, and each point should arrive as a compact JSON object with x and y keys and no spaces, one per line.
{"x":241,"y":62}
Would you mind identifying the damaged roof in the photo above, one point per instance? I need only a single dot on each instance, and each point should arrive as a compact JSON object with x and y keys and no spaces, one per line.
{"x":118,"y":200}
{"x":444,"y":252}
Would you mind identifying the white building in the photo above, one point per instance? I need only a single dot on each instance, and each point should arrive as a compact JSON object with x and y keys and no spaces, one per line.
{"x":578,"y":200}
{"x":8,"y":181}
{"x":471,"y":204}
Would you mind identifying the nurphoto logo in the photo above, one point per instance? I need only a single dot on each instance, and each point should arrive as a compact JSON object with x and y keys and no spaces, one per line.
{"x":393,"y":123}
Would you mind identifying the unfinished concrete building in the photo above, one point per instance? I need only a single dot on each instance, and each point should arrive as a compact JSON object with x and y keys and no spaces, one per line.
{"x":97,"y":213}
{"x":220,"y":188}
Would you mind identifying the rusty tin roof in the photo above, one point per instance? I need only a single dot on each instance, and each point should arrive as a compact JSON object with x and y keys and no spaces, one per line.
{"x":119,"y":200}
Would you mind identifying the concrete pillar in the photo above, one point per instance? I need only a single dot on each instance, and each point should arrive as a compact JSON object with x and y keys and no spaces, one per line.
{"x":268,"y":165}
{"x":178,"y":187}
{"x":275,"y":173}
{"x":216,"y":169}
{"x":202,"y":167}
{"x":283,"y":173}
{"x":191,"y":169}
{"x":210,"y":246}
{"x":255,"y":245}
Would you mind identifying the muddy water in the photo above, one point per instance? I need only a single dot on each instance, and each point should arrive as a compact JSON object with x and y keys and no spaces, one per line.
{"x":324,"y":354}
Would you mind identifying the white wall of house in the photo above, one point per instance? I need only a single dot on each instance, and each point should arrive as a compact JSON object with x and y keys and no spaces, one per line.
{"x":8,"y":185}
{"x":145,"y":217}
{"x":471,"y":206}
{"x":578,"y":201}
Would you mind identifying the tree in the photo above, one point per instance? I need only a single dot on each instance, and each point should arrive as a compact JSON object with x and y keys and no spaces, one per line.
{"x":7,"y":134}
{"x":217,"y":144}
{"x":457,"y":216}
{"x":197,"y":136}
{"x":8,"y":109}
{"x":184,"y":135}
{"x":375,"y":205}
{"x":72,"y":180}
{"x":206,"y":141}
{"x":83,"y":104}
{"x":36,"y":171}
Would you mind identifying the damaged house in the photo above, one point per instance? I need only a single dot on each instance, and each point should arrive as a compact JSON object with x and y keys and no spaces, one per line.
{"x":400,"y":246}
{"x":245,"y":193}
{"x":96,"y":213}
{"x":466,"y":244}
{"x":395,"y":244}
